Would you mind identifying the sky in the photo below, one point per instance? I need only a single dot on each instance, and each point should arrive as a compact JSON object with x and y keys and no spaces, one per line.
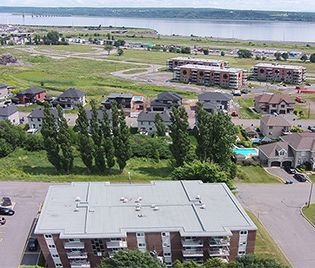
{"x":287,"y":5}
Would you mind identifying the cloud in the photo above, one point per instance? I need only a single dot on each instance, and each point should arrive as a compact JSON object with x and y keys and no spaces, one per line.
{"x":290,"y":5}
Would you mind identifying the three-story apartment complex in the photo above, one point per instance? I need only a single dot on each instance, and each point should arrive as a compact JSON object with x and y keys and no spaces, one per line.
{"x":173,"y":63}
{"x":80,"y":223}
{"x":291,"y":74}
{"x":210,"y":76}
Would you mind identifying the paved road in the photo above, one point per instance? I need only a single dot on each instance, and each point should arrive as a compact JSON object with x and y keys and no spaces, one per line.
{"x":278,"y":207}
{"x":28,"y":198}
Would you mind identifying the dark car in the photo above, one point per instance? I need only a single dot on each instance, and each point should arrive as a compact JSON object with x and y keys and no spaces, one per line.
{"x":6,"y":211}
{"x":290,"y":170}
{"x":300,"y":177}
{"x":6,"y":202}
{"x":32,"y":244}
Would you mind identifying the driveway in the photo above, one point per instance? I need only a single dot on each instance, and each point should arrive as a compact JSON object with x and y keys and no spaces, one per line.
{"x":27,"y":197}
{"x":281,"y":173}
{"x":278,"y":208}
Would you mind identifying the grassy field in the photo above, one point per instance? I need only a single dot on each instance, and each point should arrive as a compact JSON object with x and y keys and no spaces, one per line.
{"x":310,"y":213}
{"x":34,"y":166}
{"x":245,"y":112}
{"x":265,"y":245}
{"x":68,"y":48}
{"x":135,"y":71}
{"x":254,"y":174}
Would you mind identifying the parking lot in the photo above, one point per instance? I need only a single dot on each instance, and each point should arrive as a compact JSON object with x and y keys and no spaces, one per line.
{"x":28,"y":198}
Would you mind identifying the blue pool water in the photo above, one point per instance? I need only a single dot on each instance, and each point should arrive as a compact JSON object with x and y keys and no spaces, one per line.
{"x":246,"y":151}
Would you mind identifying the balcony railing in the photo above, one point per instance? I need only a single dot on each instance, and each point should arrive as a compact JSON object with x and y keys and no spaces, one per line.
{"x":220,"y":252}
{"x":76,"y":255}
{"x":192,"y":243}
{"x":80,"y":264}
{"x":74,"y":245}
{"x":116,"y":244}
{"x":215,"y":242}
{"x":192,"y":253}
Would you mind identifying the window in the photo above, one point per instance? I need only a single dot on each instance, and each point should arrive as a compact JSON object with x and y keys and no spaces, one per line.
{"x":243,"y":232}
{"x":167,"y":254}
{"x":51,"y":246}
{"x":141,"y":245}
{"x":270,"y":127}
{"x":58,"y":265}
{"x":140,"y":234}
{"x":48,"y":236}
{"x":55,"y":256}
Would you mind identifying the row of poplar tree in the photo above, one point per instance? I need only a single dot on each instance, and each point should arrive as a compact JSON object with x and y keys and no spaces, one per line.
{"x":101,"y":141}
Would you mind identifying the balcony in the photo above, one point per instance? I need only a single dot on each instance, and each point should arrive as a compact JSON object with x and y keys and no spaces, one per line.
{"x":80,"y":264}
{"x":77,"y":255}
{"x":219,"y":252}
{"x":74,"y":245}
{"x":192,"y":243}
{"x":192,"y":253}
{"x":219,"y":242}
{"x":116,"y":244}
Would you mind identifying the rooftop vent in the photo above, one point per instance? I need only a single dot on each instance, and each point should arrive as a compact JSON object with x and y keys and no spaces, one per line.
{"x":203,"y":206}
{"x":138,"y":208}
{"x":153,"y":206}
{"x":78,"y":199}
{"x":76,"y":210}
{"x":156,"y":208}
{"x":198,"y":197}
{"x":91,"y":210}
{"x":122,"y":198}
{"x":125,"y":200}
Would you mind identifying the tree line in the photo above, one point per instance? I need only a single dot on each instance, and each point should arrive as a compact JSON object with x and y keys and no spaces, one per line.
{"x":101,"y":141}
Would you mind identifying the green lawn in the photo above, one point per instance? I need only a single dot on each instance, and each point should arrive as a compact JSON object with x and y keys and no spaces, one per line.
{"x":265,"y":245}
{"x":34,"y":166}
{"x":68,"y":48}
{"x":254,"y":174}
{"x":310,"y":213}
{"x":312,"y":177}
{"x":245,"y":112}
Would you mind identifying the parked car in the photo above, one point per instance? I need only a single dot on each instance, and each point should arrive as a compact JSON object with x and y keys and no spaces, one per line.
{"x":299,"y":100}
{"x":312,"y":129}
{"x":6,"y":211}
{"x":290,"y":170}
{"x":300,"y":177}
{"x":6,"y":202}
{"x":32,"y":244}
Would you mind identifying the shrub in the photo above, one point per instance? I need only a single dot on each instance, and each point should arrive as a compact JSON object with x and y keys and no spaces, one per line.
{"x":150,"y":147}
{"x":5,"y":148}
{"x":34,"y":142}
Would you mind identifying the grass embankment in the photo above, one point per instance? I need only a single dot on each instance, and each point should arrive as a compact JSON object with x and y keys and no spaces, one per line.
{"x":309,"y":212}
{"x":245,"y":105}
{"x":265,"y":245}
{"x":34,"y":166}
{"x":254,"y":174}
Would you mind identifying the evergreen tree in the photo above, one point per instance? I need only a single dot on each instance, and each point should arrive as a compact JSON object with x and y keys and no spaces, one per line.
{"x":97,"y":137}
{"x":108,"y":141}
{"x":50,"y":135}
{"x":121,"y":137}
{"x":180,"y":146}
{"x":85,"y":142}
{"x":159,"y":125}
{"x":64,"y":140}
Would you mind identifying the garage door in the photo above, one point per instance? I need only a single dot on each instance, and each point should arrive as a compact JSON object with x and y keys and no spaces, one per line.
{"x":287,"y":164}
{"x":275,"y":164}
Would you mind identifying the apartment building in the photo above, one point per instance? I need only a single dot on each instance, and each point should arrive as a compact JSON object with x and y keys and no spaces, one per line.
{"x":210,"y":76}
{"x":291,"y":74}
{"x":80,"y":223}
{"x":173,"y":63}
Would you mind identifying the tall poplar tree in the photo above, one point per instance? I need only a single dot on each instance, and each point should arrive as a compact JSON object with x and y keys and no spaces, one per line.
{"x":108,"y":141}
{"x":181,"y":145}
{"x":85,"y":143}
{"x":64,"y":140}
{"x":159,"y":125}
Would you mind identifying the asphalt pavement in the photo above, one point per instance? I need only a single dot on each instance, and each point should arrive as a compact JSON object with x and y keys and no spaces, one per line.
{"x":278,"y":208}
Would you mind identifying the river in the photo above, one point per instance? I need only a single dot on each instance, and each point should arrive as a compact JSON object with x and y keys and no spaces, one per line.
{"x":246,"y":30}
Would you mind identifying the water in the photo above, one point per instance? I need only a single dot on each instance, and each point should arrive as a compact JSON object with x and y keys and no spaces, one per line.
{"x":246,"y":151}
{"x":247,"y":30}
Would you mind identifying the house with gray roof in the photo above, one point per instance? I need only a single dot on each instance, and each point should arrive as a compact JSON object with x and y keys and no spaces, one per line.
{"x":274,"y":126}
{"x":30,"y":95}
{"x":216,"y":101}
{"x":9,"y":113}
{"x":292,"y":150}
{"x":36,"y":117}
{"x":123,"y":99}
{"x":178,"y":220}
{"x":165,"y":101}
{"x":4,"y":92}
{"x":146,"y":121}
{"x":70,"y":99}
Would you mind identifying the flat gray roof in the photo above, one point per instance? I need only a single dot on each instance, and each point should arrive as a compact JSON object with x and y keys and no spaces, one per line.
{"x":210,"y":68}
{"x":109,"y":210}
{"x":198,"y":59}
{"x":284,"y":66}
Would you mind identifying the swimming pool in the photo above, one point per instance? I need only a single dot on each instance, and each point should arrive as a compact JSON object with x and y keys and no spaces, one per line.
{"x":246,"y":151}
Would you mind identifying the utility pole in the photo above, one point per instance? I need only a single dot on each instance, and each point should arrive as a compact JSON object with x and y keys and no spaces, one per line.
{"x":310,"y":197}
{"x":129,"y":177}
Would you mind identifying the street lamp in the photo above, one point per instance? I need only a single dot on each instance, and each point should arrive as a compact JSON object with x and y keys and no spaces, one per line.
{"x":129,"y":177}
{"x":310,"y":196}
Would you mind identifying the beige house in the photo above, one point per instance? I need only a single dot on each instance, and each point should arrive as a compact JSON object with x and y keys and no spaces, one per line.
{"x":10,"y":113}
{"x":273,"y":126}
{"x":292,"y":150}
{"x":274,"y":103}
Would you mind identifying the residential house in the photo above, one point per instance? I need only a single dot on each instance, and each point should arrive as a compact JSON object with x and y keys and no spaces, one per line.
{"x":165,"y":101}
{"x":10,"y":113}
{"x":138,"y":104}
{"x":274,"y":126}
{"x":100,"y":114}
{"x":30,"y":95}
{"x":274,"y":103}
{"x":216,"y":101}
{"x":292,"y":150}
{"x":146,"y":121}
{"x":83,"y":222}
{"x":123,"y":99}
{"x":36,"y":117}
{"x":70,"y":99}
{"x":4,"y":92}
{"x":251,"y":132}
